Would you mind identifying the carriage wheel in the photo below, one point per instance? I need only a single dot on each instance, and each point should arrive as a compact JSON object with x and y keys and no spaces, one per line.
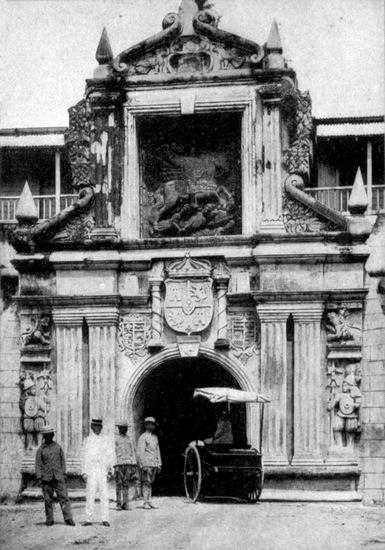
{"x":254,"y":494}
{"x":192,"y":473}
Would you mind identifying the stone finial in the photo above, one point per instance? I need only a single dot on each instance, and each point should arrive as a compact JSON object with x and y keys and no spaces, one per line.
{"x":358,"y":224}
{"x":274,"y":41}
{"x":274,"y":59}
{"x":104,"y":53}
{"x":104,"y":57}
{"x":358,"y":200}
{"x":26,"y":211}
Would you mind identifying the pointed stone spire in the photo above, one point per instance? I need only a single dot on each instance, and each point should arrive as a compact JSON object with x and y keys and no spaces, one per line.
{"x":274,"y":59}
{"x":104,"y":57}
{"x":358,"y":200}
{"x":358,"y":224}
{"x":274,"y":40}
{"x":104,"y":53}
{"x":26,"y":211}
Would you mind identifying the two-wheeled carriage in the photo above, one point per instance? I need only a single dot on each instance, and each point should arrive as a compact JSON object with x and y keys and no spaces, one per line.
{"x":225,"y":470}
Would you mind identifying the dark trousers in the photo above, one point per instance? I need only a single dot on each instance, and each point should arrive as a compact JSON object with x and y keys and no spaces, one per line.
{"x":59,"y":487}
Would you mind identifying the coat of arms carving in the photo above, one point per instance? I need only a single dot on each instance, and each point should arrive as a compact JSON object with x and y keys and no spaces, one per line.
{"x":133,"y":335}
{"x":189,"y":302}
{"x":244,"y":335}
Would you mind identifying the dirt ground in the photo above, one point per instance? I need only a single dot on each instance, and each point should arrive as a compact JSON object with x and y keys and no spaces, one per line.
{"x":177,"y":524}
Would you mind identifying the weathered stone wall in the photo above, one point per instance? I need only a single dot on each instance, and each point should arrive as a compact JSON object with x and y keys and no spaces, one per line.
{"x":11,"y":444}
{"x":373,"y":410}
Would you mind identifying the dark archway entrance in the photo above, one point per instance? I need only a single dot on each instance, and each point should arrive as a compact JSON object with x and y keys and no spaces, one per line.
{"x":166,"y":393}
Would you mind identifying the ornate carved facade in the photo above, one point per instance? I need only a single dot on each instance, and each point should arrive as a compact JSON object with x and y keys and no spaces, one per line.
{"x":190,"y":152}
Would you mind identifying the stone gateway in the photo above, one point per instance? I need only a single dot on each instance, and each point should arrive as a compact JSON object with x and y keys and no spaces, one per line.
{"x":194,"y":257}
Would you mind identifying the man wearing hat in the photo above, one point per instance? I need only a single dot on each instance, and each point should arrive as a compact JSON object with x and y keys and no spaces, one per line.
{"x":126,"y":466}
{"x":98,"y":460}
{"x":149,"y":459}
{"x":50,"y":468}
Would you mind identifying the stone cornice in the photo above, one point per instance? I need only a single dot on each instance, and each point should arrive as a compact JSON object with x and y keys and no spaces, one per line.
{"x":277,"y":297}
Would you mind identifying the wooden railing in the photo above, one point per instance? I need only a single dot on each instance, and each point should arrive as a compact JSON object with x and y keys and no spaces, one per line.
{"x":337,"y":197}
{"x":45,"y":205}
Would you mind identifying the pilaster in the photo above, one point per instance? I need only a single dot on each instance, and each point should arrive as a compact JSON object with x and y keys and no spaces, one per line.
{"x":307,"y":383}
{"x":102,"y":323}
{"x":273,"y":319}
{"x":70,"y":389}
{"x":272,"y":221}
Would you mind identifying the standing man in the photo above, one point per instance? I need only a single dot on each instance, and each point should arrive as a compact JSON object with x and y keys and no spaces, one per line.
{"x":98,"y":460}
{"x":50,"y":468}
{"x":148,"y":459}
{"x":125,"y":468}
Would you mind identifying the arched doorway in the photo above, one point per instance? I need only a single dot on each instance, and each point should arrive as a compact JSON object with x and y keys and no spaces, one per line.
{"x":166,"y":393}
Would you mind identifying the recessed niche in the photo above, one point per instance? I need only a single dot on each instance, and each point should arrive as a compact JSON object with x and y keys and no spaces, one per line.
{"x":190,"y":170}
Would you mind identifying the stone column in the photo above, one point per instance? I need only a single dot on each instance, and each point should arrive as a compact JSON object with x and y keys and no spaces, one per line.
{"x":69,"y":373}
{"x":222,"y":277}
{"x":274,"y":381}
{"x":307,"y":384}
{"x":156,"y":317}
{"x":272,"y":221}
{"x":102,"y":325}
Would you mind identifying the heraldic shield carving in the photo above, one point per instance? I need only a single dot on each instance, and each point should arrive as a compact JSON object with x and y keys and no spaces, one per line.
{"x":189,"y":302}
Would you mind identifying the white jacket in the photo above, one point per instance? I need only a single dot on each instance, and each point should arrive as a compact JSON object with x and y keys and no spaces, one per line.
{"x":98,"y":454}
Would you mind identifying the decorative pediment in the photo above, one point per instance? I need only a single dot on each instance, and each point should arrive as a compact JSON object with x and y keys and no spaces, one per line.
{"x":189,"y":42}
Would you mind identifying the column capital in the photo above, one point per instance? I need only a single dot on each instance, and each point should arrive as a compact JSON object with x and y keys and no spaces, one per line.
{"x":102,"y":316}
{"x":308,"y":311}
{"x":67,"y":317}
{"x":273,"y":313}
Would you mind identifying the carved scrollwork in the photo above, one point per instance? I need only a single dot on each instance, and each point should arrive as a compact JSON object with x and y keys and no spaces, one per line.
{"x":297,"y":107}
{"x":78,"y":140}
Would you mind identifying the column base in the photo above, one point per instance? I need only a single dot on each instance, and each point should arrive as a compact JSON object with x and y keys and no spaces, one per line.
{"x":307,"y":461}
{"x":272,"y":226}
{"x":339,"y":456}
{"x":104,"y":234}
{"x":272,"y":461}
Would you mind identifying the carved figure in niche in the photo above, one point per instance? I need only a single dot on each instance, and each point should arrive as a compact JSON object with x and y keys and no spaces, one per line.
{"x":338,"y":326}
{"x":39,"y":333}
{"x":346,"y":405}
{"x":34,"y":408}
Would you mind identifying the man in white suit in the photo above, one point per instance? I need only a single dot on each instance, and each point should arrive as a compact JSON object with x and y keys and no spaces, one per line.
{"x":97,"y":468}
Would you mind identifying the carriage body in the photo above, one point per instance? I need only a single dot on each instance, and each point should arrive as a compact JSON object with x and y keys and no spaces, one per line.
{"x":223,"y":471}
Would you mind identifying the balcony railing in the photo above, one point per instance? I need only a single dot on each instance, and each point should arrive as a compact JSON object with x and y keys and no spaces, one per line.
{"x":45,"y":205}
{"x":337,"y":197}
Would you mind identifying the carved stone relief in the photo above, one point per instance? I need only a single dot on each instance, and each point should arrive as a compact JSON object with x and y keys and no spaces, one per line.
{"x":298,"y":218}
{"x":134,"y":333}
{"x":38,"y":333}
{"x":190,"y":183}
{"x":78,"y":139}
{"x":188,"y":54}
{"x":345,"y":399}
{"x":244,"y":335}
{"x":189,"y":302}
{"x":340,"y":328}
{"x":35,"y":404}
